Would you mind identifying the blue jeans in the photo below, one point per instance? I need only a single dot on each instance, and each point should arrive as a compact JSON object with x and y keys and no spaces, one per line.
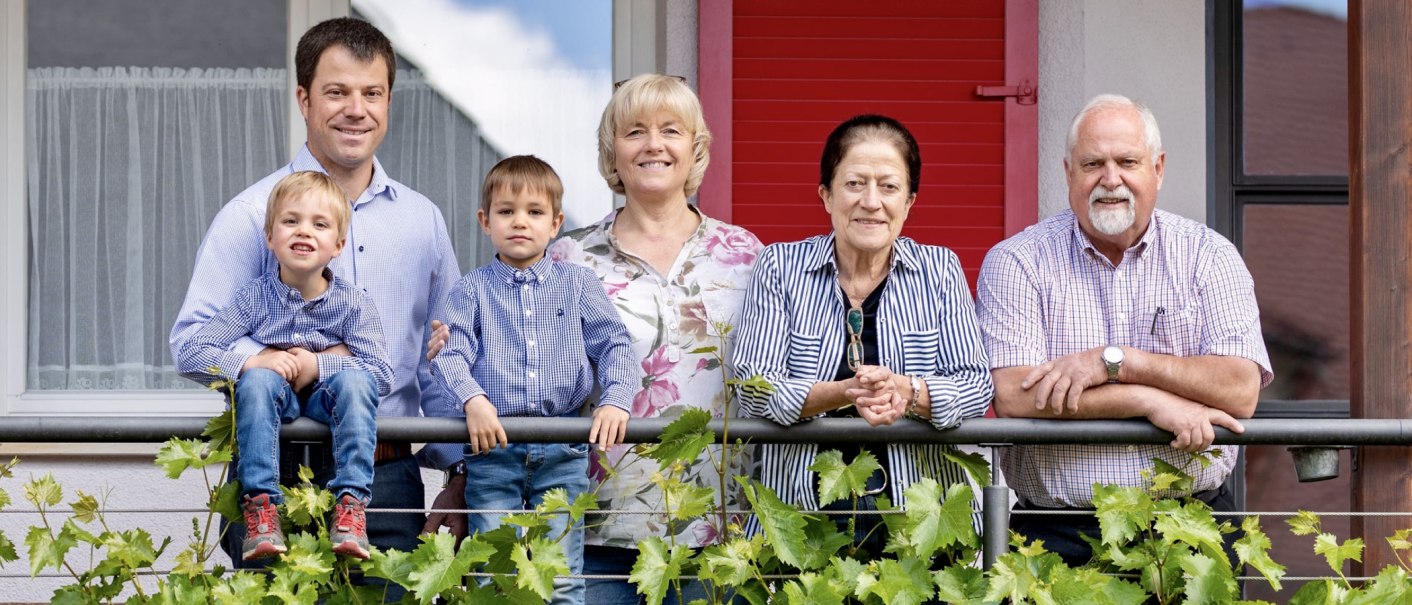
{"x":613,"y":561}
{"x":346,"y":402}
{"x":516,"y":477}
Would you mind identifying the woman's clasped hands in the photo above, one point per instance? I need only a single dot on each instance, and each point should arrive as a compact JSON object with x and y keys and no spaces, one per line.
{"x":874,"y":393}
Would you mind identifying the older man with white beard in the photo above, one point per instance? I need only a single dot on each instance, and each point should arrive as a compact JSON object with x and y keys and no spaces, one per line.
{"x":1114,"y":309}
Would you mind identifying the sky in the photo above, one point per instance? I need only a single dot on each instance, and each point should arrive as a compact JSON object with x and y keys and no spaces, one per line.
{"x":534,"y":75}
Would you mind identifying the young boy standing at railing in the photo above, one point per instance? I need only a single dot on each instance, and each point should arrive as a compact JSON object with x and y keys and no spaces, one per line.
{"x":525,"y":334}
{"x":326,"y":359}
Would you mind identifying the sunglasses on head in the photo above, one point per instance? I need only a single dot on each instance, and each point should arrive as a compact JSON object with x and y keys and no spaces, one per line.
{"x":620,"y":83}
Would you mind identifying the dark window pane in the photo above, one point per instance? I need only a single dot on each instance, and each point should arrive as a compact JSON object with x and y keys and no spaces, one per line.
{"x":1298,"y":255}
{"x":157,"y":33}
{"x":1295,"y":116}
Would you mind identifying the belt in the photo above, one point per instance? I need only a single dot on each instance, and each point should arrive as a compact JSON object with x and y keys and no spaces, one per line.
{"x":391,"y":451}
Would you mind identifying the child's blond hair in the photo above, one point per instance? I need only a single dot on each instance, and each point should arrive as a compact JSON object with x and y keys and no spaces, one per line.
{"x":519,"y":172}
{"x":308,"y":181}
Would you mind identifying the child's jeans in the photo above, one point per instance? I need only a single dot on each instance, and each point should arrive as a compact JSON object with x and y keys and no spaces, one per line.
{"x":516,"y":477}
{"x":347,"y":402}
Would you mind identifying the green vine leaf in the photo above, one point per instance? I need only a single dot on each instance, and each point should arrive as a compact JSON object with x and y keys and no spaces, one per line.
{"x":731,"y":563}
{"x":132,"y":548}
{"x":557,"y":500}
{"x":43,"y":492}
{"x":46,"y":550}
{"x":899,"y":582}
{"x":308,"y":562}
{"x":838,"y":481}
{"x":1318,"y":592}
{"x":226,"y":501}
{"x":220,"y":430}
{"x":305,"y":503}
{"x":177,"y":455}
{"x":7,"y":550}
{"x":961,"y":585}
{"x":536,"y":573}
{"x":848,"y":572}
{"x":1253,"y":549}
{"x":822,"y":540}
{"x":1336,"y":553}
{"x":657,"y":566}
{"x":783,"y":524}
{"x":1122,"y":512}
{"x":972,"y":462}
{"x":4,"y":499}
{"x":1191,"y":523}
{"x":683,"y":440}
{"x":935,"y":521}
{"x":1304,"y":523}
{"x":438,"y":566}
{"x":1208,"y":580}
{"x":85,"y":507}
{"x":683,"y":501}
{"x":813,"y":589}
{"x":1391,"y":585}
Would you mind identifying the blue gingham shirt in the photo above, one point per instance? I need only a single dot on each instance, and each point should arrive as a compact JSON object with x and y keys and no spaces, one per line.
{"x":525,"y":340}
{"x":271,"y":312}
{"x":1182,"y":290}
{"x":398,"y":251}
{"x":792,"y":333}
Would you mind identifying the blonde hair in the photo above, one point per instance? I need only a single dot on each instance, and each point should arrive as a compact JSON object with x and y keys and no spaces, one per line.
{"x":308,"y":181}
{"x":519,"y":172}
{"x":643,"y":95}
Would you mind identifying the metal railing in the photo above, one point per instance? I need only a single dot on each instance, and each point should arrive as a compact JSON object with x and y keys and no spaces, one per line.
{"x":985,"y":432}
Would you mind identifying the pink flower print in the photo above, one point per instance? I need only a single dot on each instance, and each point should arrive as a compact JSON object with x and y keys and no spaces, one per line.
{"x":694,"y":320}
{"x":561,"y":249}
{"x":733,"y":247}
{"x":596,"y":472}
{"x":705,"y":533}
{"x":701,"y":364}
{"x":657,"y":393}
{"x":613,"y":288}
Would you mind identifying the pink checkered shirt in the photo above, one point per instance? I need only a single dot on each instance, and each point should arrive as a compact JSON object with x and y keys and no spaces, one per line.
{"x":1182,"y":290}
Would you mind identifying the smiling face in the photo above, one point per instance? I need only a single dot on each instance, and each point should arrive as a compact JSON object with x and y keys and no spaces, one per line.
{"x":305,"y":233}
{"x":653,"y":156}
{"x":869,"y":198}
{"x":1113,"y":177}
{"x":345,"y":110}
{"x":520,"y":224}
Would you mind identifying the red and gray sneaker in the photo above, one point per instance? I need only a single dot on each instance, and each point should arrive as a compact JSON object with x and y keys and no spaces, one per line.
{"x":349,"y":532}
{"x":263,"y":535}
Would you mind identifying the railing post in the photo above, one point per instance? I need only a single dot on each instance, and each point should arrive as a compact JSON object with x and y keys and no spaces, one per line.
{"x":995,"y":520}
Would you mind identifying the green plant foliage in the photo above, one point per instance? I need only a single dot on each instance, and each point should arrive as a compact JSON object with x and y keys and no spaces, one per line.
{"x":1208,"y":580}
{"x":1122,"y":513}
{"x":437,"y":565}
{"x":973,"y":463}
{"x":658,"y":566}
{"x":177,"y":455}
{"x":682,"y":441}
{"x":837,"y":480}
{"x":783,"y":524}
{"x":1253,"y":548}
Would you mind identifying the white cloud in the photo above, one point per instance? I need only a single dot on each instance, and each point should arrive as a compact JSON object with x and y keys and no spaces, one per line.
{"x":509,"y":79}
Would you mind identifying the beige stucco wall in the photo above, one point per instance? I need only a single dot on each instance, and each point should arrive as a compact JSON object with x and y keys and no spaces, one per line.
{"x":1152,"y":51}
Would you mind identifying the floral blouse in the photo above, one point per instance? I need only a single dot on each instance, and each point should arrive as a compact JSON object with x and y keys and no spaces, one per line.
{"x":669,"y":317}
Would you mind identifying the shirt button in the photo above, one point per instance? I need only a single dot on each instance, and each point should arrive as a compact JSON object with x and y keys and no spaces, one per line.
{"x":530,"y":343}
{"x":297,"y":336}
{"x":524,"y":287}
{"x":1122,"y":317}
{"x":360,"y":248}
{"x":531,"y":373}
{"x":528,"y":312}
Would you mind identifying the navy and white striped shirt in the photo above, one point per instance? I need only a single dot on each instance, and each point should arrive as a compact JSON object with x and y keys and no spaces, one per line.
{"x":792,"y":333}
{"x":273,"y":313}
{"x":525,"y":339}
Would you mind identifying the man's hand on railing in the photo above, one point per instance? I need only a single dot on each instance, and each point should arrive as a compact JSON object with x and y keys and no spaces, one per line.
{"x":1191,"y":422}
{"x":452,"y":497}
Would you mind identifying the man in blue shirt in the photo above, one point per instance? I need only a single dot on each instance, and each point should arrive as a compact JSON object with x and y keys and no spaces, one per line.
{"x":526,"y":333}
{"x":398,"y":251}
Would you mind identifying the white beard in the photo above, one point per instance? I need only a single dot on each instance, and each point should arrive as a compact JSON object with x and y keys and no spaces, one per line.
{"x":1111,"y":220}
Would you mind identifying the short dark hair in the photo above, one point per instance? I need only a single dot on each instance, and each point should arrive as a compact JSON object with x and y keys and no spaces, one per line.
{"x":520,"y":172}
{"x":870,"y":127}
{"x":358,"y":36}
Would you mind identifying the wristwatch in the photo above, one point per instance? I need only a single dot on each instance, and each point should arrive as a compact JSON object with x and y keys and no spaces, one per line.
{"x":455,"y":470}
{"x":1113,"y":361}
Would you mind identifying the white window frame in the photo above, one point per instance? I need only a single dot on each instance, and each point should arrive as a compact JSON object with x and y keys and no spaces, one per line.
{"x":638,"y":46}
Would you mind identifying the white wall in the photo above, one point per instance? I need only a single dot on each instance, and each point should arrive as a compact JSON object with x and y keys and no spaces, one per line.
{"x":1154,"y":52}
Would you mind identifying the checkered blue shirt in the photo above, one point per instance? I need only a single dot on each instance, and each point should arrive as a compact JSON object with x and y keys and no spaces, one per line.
{"x":525,"y":340}
{"x":1181,"y":290}
{"x":397,"y":251}
{"x":273,"y":313}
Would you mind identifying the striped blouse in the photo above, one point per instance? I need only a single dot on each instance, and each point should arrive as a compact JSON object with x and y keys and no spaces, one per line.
{"x":792,"y":333}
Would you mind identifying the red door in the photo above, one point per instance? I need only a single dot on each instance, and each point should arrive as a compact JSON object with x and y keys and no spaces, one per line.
{"x":777,"y":76}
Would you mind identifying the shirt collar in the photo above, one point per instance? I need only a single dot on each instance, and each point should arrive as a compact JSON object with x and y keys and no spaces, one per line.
{"x":536,"y":273}
{"x":285,"y":292}
{"x":904,"y":254}
{"x":380,"y":184}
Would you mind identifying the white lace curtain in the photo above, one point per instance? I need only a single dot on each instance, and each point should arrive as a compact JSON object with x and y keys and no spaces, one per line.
{"x":126,"y":169}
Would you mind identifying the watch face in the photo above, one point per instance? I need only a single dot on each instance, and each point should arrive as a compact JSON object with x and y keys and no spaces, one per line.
{"x":1113,"y":355}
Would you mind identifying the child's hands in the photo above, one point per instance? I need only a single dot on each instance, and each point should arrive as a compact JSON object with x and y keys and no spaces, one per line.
{"x":308,"y":368}
{"x":610,"y":426}
{"x":483,"y":425}
{"x":281,"y":362}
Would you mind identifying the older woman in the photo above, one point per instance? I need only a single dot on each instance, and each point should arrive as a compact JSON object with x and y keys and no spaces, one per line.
{"x":862,"y":322}
{"x":672,"y":272}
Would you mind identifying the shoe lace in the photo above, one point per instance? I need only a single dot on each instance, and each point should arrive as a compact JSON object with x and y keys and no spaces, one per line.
{"x":261,"y":514}
{"x":348,"y":516}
